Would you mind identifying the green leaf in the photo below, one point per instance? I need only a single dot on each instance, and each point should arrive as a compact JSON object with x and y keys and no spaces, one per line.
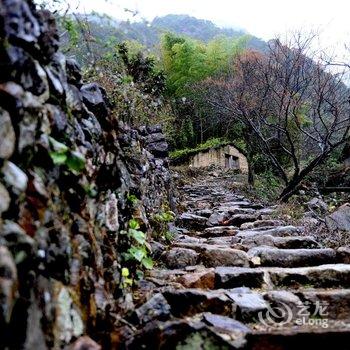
{"x":147,"y":263}
{"x":57,"y":146}
{"x":139,"y":236}
{"x":58,"y":158}
{"x":139,"y":274}
{"x":137,"y":253}
{"x":125,"y":272}
{"x":76,"y":161}
{"x":133,"y":224}
{"x":127,"y":282}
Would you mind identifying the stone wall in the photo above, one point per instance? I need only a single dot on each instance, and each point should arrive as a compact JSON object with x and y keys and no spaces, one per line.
{"x":67,"y":173}
{"x":216,"y":156}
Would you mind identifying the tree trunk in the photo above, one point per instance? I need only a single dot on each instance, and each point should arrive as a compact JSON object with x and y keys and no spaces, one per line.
{"x":294,"y":184}
{"x":249,"y":155}
{"x":291,"y":188}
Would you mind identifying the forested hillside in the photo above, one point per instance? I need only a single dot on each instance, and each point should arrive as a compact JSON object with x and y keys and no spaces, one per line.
{"x":149,"y":34}
{"x":207,"y":84}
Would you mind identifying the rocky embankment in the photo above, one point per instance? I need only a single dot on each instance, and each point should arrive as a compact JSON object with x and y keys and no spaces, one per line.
{"x":235,"y":278}
{"x":71,"y":178}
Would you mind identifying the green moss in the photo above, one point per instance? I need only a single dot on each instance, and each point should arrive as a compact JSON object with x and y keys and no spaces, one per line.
{"x":181,"y":156}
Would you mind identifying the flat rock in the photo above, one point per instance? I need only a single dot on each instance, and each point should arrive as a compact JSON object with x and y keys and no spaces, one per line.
{"x":192,"y":221}
{"x":155,"y":308}
{"x":187,"y":302}
{"x":199,"y":247}
{"x":335,"y":303}
{"x":324,"y":276}
{"x":180,"y":257}
{"x":235,"y":210}
{"x":293,"y":242}
{"x":285,"y":300}
{"x":204,"y":212}
{"x":261,"y":223}
{"x":202,"y":279}
{"x":232,"y":277}
{"x":248,"y":304}
{"x":189,"y":239}
{"x":225,"y":324}
{"x":277,"y":231}
{"x":293,"y":257}
{"x":225,"y":240}
{"x":217,"y":219}
{"x":239,"y":219}
{"x":217,"y":256}
{"x":219,"y":231}
{"x":339,"y":219}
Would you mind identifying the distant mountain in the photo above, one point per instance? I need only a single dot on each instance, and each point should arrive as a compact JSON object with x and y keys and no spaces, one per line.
{"x":149,"y":33}
{"x":200,"y":29}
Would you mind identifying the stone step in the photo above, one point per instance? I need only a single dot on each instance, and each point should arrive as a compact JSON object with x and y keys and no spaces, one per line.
{"x":336,"y":302}
{"x":281,"y":231}
{"x":239,"y":219}
{"x":206,"y":254}
{"x":270,"y":256}
{"x":191,"y":221}
{"x":324,"y":276}
{"x":294,"y":242}
{"x":204,"y":331}
{"x":219,"y":231}
{"x":235,"y":210}
{"x":304,"y":338}
{"x":214,"y":256}
{"x":188,"y":302}
{"x":233,"y":277}
{"x":262,"y":223}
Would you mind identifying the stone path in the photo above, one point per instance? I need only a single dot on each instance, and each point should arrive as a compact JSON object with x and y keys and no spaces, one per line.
{"x":235,"y":278}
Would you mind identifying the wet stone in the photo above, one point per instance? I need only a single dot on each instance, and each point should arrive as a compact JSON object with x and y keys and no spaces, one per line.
{"x":202,"y":279}
{"x":4,"y":199}
{"x":155,"y":308}
{"x":224,"y":323}
{"x":187,"y":302}
{"x":292,"y":257}
{"x":14,"y":176}
{"x":93,"y":98}
{"x":219,"y":231}
{"x":217,"y":256}
{"x":324,"y":276}
{"x":217,"y":219}
{"x":180,"y":258}
{"x":232,"y":277}
{"x":7,"y":135}
{"x":191,"y":221}
{"x":249,"y":304}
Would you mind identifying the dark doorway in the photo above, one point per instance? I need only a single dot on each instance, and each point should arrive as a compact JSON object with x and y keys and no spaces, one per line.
{"x":231,"y":162}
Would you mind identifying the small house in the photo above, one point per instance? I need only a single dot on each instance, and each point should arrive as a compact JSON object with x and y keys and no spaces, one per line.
{"x":225,"y":156}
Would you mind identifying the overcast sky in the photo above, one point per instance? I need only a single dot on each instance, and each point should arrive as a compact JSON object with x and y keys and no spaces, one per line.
{"x":262,"y":18}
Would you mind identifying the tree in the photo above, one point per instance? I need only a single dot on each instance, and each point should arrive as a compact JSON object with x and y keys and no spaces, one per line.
{"x":297,"y":111}
{"x":187,"y":62}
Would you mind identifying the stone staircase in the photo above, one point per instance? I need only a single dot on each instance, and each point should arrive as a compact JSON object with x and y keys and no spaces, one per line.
{"x":236,"y":278}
